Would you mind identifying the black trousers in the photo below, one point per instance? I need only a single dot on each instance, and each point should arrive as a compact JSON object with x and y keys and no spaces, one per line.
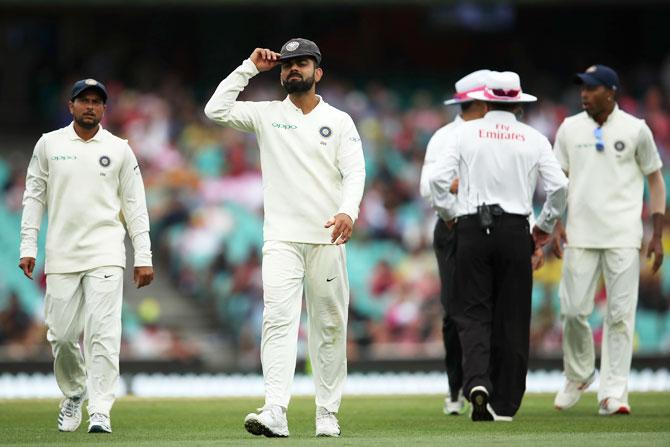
{"x":492,"y":307}
{"x":444,"y":243}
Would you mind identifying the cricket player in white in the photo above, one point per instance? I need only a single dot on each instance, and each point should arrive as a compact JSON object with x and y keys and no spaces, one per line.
{"x":90,"y":184}
{"x":607,"y":153}
{"x":313,"y":178}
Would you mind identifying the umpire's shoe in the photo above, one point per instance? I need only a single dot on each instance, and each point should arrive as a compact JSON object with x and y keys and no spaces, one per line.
{"x":479,"y":399}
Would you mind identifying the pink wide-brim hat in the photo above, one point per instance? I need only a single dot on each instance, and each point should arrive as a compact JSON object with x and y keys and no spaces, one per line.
{"x":473,"y":82}
{"x":502,"y":87}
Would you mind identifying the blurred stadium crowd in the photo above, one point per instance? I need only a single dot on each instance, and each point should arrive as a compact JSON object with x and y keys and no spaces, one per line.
{"x":204,"y":194}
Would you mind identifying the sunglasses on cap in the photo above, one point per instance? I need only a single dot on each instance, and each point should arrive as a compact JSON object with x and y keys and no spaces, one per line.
{"x":600,"y":143}
{"x":506,"y":93}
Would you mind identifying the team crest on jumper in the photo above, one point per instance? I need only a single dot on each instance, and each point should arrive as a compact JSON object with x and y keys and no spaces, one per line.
{"x":292,"y":46}
{"x":326,"y":131}
{"x":104,"y":161}
{"x":619,"y":145}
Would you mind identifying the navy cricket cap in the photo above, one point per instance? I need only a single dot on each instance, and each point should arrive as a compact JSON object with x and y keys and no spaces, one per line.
{"x":300,"y":47}
{"x":87,"y":84}
{"x":597,"y":75}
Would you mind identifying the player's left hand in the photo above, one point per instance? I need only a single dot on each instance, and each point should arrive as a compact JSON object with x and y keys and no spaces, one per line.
{"x":656,"y":248}
{"x":343,"y":226}
{"x":540,"y":237}
{"x":537,"y":259}
{"x":453,"y":188}
{"x":27,"y":264}
{"x":142,"y":276}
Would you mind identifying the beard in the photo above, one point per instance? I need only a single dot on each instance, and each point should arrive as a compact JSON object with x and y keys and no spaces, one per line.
{"x":87,"y":122}
{"x":301,"y":86}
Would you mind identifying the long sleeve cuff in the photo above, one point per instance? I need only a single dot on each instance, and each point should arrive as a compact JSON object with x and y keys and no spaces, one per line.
{"x":30,"y":227}
{"x":553,"y":209}
{"x":250,"y":67}
{"x":546,"y":225}
{"x":443,"y":201}
{"x":28,"y":247}
{"x":424,"y":181}
{"x":142,"y":249}
{"x":349,"y":211}
{"x":444,"y":214}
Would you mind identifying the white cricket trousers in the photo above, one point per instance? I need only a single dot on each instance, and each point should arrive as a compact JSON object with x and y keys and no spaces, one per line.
{"x":87,"y":301}
{"x":321,"y":269}
{"x":581,"y":271}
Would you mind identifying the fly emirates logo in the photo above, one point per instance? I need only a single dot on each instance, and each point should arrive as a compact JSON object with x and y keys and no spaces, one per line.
{"x":501,"y":132}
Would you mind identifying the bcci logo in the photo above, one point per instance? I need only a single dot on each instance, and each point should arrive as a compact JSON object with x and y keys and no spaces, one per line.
{"x":104,"y":161}
{"x":325,"y":131}
{"x":292,"y":46}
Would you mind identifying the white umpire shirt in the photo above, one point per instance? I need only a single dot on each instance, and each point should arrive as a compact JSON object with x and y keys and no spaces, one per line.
{"x":498,"y":160}
{"x":434,"y":150}
{"x":606,"y":188}
{"x":313,"y":166}
{"x":87,"y":187}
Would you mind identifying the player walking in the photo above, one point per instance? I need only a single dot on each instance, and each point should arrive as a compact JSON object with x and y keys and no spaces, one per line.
{"x":86,"y":178}
{"x":607,"y":154}
{"x":313,"y":178}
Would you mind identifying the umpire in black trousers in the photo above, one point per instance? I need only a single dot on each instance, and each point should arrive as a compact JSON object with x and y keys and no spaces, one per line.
{"x":445,"y":251}
{"x":498,"y":161}
{"x":443,"y":236}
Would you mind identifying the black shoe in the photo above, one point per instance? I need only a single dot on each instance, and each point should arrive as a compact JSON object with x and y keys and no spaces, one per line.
{"x":479,"y":399}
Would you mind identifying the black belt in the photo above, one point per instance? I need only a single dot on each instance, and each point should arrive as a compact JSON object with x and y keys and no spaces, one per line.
{"x":506,"y":216}
{"x":469,"y":220}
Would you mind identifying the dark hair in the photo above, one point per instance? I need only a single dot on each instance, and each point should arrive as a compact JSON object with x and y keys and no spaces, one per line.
{"x":312,"y":58}
{"x":504,"y":106}
{"x":465,"y":106}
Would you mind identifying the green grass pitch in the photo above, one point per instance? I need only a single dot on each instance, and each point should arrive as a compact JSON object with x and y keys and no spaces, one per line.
{"x":366,"y":421}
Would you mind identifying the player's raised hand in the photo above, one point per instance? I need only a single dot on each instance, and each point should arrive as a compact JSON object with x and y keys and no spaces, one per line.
{"x":342,"y":228}
{"x":264,"y":59}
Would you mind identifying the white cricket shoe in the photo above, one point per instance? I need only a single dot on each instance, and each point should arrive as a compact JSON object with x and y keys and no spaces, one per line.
{"x":497,"y":417}
{"x":99,"y":423}
{"x":610,"y":406}
{"x":69,"y":417}
{"x":571,"y":393}
{"x":326,"y":423}
{"x":454,"y":407}
{"x":269,"y":421}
